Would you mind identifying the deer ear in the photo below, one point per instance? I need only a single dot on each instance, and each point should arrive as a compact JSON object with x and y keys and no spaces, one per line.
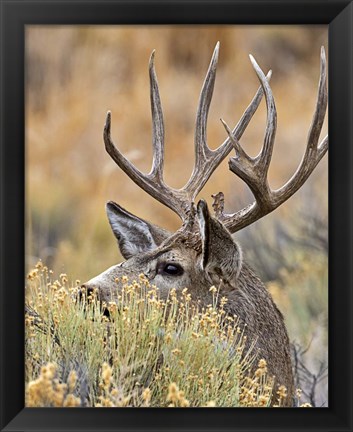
{"x":221,"y":256}
{"x":134,"y":235}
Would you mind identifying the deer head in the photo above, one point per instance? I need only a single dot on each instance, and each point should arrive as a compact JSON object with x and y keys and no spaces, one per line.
{"x":203,"y":252}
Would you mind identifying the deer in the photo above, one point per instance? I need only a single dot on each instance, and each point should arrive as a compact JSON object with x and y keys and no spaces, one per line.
{"x":202,"y":252}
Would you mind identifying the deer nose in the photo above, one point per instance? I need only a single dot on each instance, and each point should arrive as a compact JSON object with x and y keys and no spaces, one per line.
{"x":90,"y":293}
{"x":87,"y":290}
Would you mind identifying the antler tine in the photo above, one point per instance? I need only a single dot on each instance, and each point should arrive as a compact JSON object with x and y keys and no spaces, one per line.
{"x":201,"y":147}
{"x":155,"y":187}
{"x":314,"y":152}
{"x":254,"y":170}
{"x":264,"y":158}
{"x":247,"y":115}
{"x":157,"y":124}
{"x":202,"y":151}
{"x":321,"y":104}
{"x":152,"y":183}
{"x":207,"y":160}
{"x":136,"y":175}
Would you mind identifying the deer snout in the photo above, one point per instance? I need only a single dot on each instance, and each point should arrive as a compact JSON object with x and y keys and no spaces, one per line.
{"x":104,"y":287}
{"x":107,"y":285}
{"x":89,"y":293}
{"x":97,"y":290}
{"x":86,"y":290}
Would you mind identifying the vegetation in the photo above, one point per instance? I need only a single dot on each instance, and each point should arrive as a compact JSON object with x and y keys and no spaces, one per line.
{"x":148,"y":353}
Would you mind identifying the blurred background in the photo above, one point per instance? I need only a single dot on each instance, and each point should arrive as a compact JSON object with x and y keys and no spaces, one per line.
{"x":75,"y":74}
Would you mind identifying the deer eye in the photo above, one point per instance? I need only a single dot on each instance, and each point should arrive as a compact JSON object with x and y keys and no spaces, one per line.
{"x":170,"y":269}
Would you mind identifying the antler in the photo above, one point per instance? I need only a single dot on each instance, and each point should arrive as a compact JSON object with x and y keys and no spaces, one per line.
{"x":253,"y":171}
{"x":206,"y":160}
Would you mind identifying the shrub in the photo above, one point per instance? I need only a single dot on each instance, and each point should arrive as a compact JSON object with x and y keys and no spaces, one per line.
{"x":149,"y":352}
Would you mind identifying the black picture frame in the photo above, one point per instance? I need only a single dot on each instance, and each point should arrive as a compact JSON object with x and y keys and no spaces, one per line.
{"x":338,"y":15}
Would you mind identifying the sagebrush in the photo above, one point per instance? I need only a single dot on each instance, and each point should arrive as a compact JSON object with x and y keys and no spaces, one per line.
{"x":148,"y":352}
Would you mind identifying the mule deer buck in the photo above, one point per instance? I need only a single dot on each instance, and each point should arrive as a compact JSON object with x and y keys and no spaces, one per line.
{"x":202,"y":252}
